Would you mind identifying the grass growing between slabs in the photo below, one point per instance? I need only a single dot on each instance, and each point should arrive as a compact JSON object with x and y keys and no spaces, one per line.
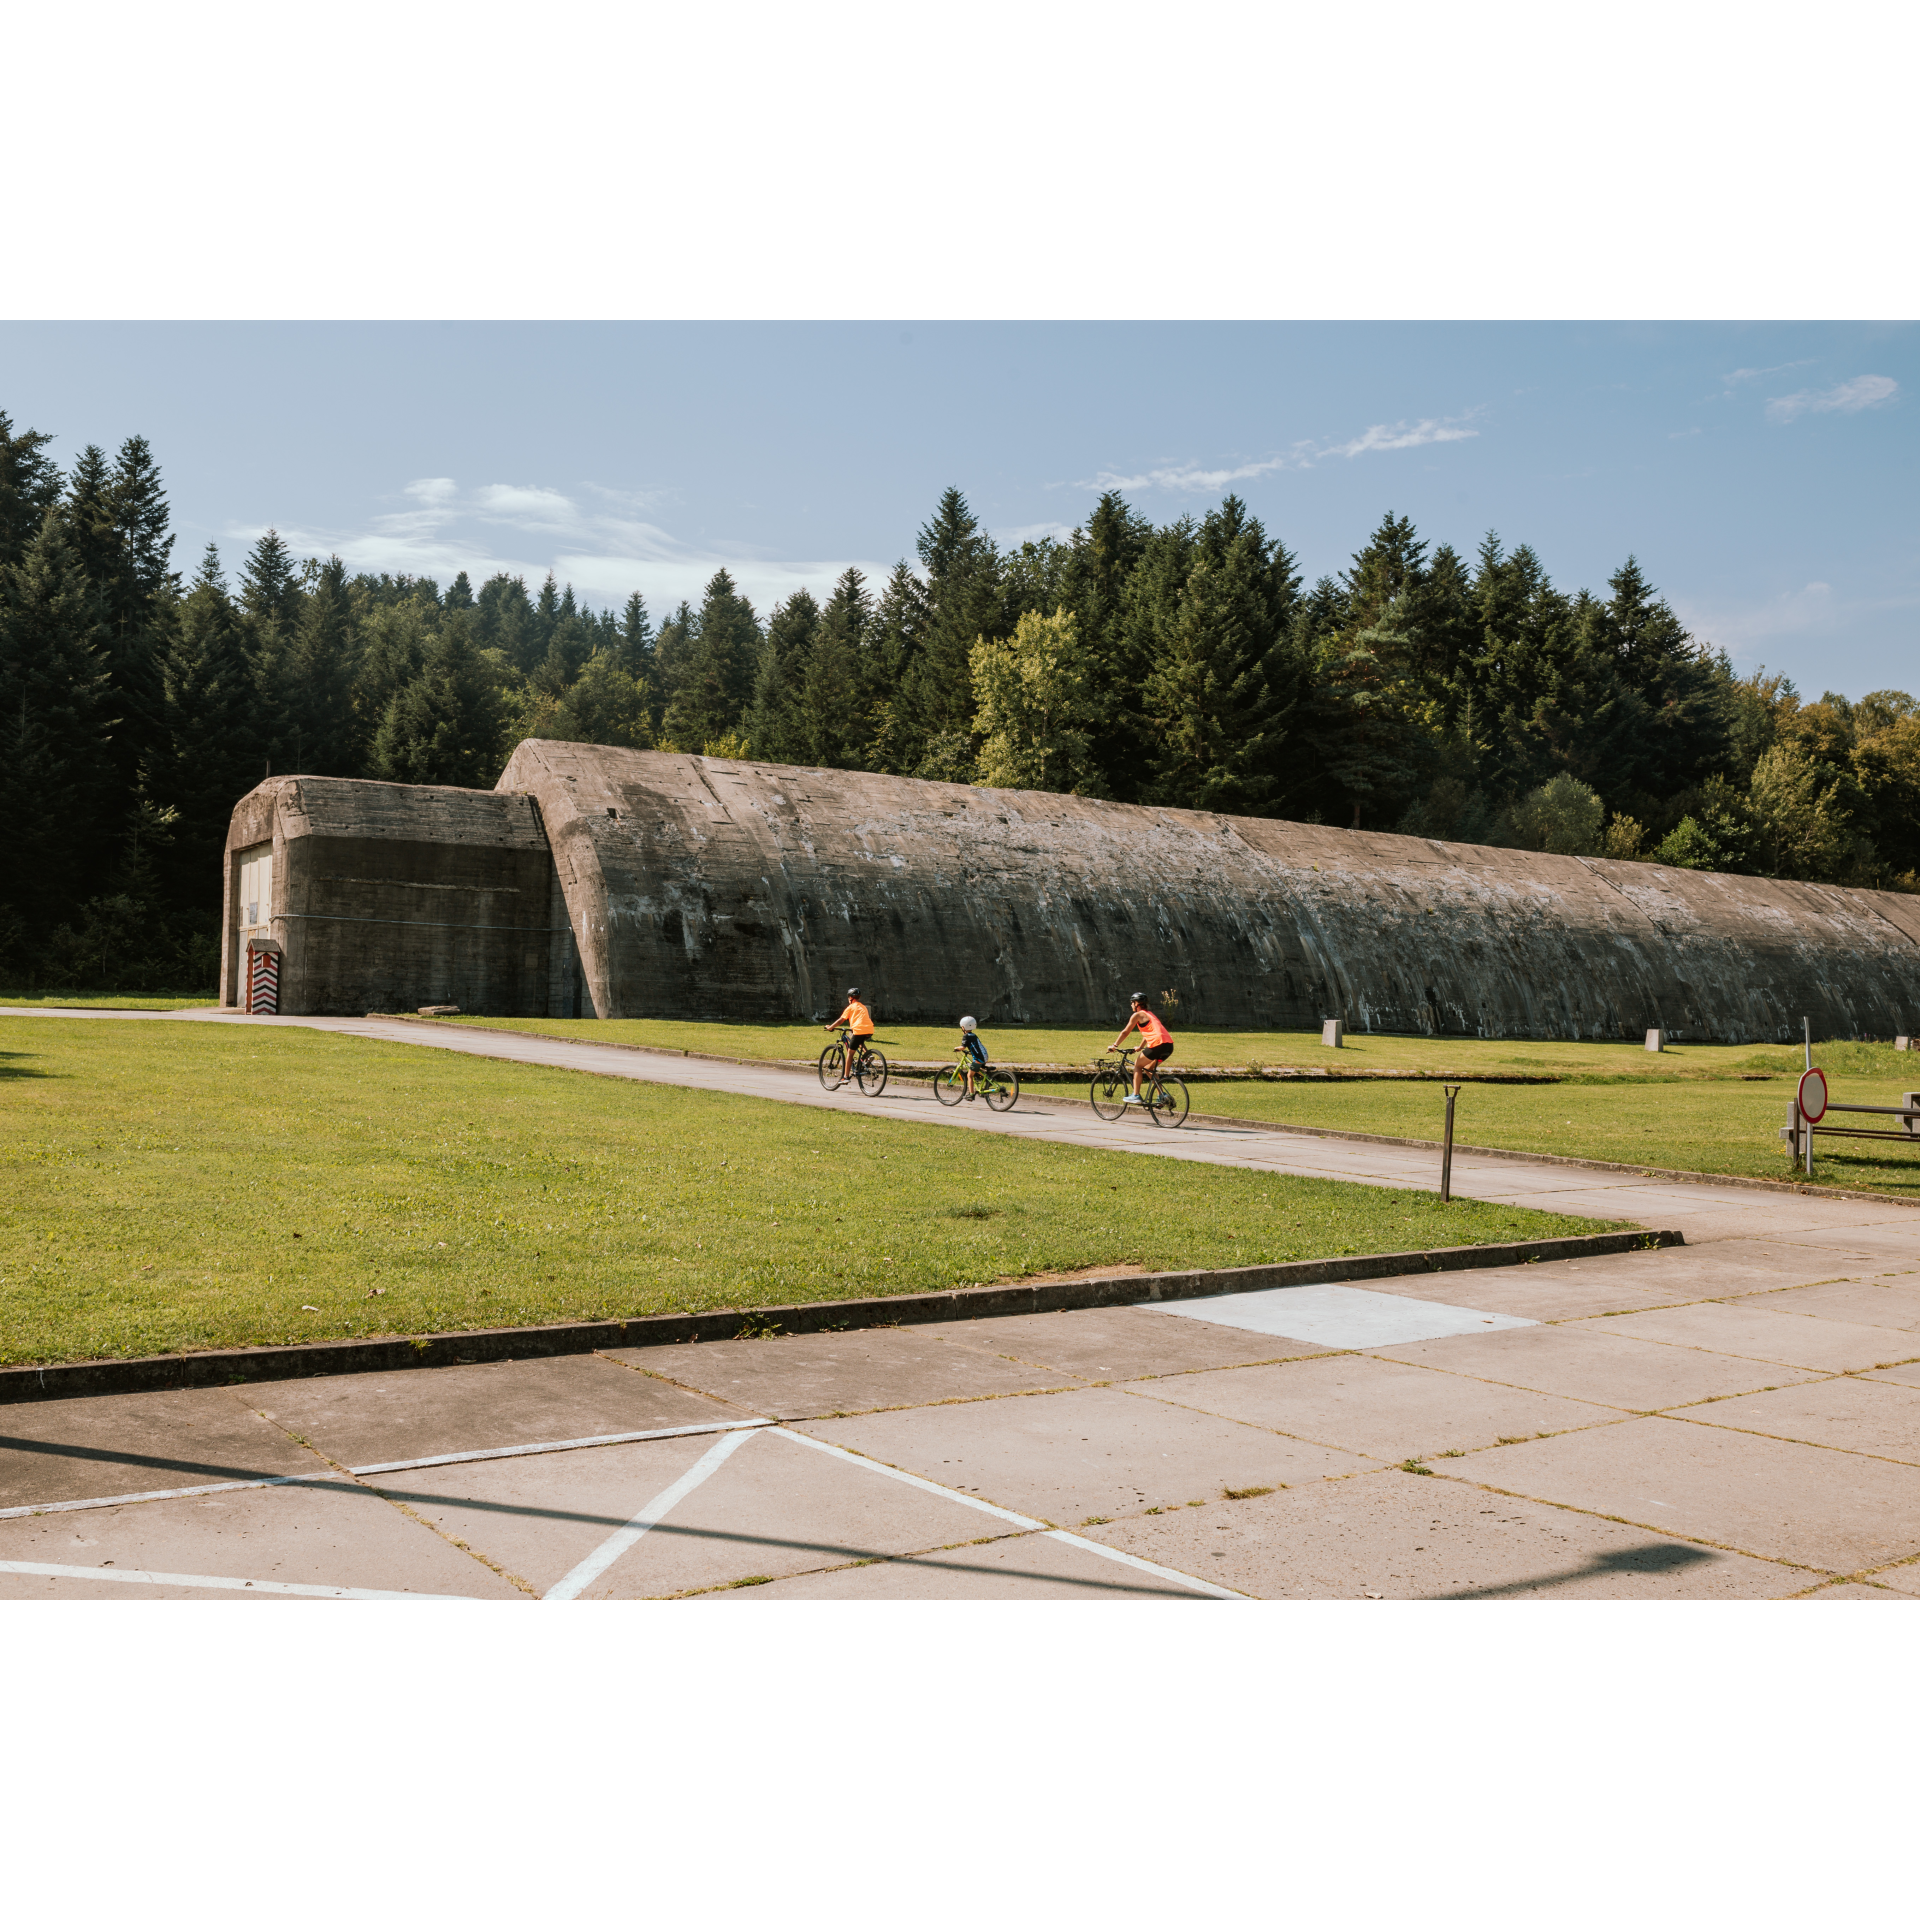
{"x":1589,"y":1062}
{"x":170,"y":1187}
{"x":1697,"y":1127}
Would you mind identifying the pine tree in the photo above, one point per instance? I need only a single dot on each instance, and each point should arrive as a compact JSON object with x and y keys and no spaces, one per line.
{"x":210,"y":753}
{"x":443,"y":727}
{"x":635,"y":649}
{"x":29,"y":485}
{"x":673,"y":651}
{"x":713,"y":695}
{"x":893,"y":651}
{"x":773,"y":716}
{"x":269,"y":590}
{"x":315,"y":672}
{"x":963,"y":606}
{"x":1212,"y":614}
{"x":58,"y":784}
{"x":460,"y":594}
{"x":504,"y":622}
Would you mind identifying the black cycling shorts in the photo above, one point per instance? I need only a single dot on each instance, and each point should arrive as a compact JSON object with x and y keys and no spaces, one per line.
{"x":1161,"y":1051}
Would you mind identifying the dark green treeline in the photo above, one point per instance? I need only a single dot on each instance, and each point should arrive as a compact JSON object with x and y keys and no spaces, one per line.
{"x":1186,"y":665}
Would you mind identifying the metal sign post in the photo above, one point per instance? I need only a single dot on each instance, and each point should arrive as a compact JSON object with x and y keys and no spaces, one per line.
{"x":1446,"y":1147}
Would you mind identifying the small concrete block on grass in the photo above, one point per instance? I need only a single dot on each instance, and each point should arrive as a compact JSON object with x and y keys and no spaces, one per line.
{"x":138,"y":1443}
{"x":1838,"y":1512}
{"x":360,"y":1419}
{"x":1581,"y":1363}
{"x":1094,"y":1450}
{"x":1374,"y":1406}
{"x":335,"y":1534}
{"x":1398,"y":1536}
{"x":809,"y":1375}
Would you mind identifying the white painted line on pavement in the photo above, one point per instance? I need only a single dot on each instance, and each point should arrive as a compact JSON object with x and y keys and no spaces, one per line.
{"x":1145,"y":1566}
{"x":914,"y":1480}
{"x":609,"y":1550}
{"x":165,"y":1493}
{"x":1043,"y":1527}
{"x":133,"y":1577}
{"x":555,"y":1446}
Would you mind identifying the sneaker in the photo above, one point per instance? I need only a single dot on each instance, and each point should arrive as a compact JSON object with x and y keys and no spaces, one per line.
{"x":1133,"y":1100}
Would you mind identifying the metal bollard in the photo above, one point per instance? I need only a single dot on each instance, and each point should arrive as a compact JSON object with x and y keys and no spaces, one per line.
{"x":1446,"y":1147}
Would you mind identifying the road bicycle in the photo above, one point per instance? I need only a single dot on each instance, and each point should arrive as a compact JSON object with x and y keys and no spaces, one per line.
{"x":869,"y":1069}
{"x":1163,"y":1096}
{"x":998,"y":1086}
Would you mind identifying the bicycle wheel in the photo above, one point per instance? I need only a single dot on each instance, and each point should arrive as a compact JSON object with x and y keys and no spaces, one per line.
{"x":950,"y":1086}
{"x":1109,"y":1094}
{"x":871,"y":1072}
{"x":1002,"y":1088}
{"x":830,"y":1067}
{"x":1167,"y":1101}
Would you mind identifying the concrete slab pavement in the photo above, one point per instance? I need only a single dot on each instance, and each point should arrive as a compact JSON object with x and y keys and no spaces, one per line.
{"x":1729,"y":1418}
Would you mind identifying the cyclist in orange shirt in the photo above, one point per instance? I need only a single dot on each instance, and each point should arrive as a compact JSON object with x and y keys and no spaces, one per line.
{"x":858,"y":1021}
{"x":1157,"y":1042}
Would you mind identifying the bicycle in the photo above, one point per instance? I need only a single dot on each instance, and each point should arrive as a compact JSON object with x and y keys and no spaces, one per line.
{"x":869,"y":1069}
{"x":1163,"y":1095}
{"x":998,"y":1086}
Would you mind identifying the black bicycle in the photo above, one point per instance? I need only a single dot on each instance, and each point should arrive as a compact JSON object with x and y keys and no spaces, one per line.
{"x":869,"y":1068}
{"x":999,"y":1087}
{"x":1162,"y":1095}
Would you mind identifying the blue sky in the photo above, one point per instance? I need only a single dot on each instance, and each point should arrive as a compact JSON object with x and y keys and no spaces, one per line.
{"x":1764,"y":473}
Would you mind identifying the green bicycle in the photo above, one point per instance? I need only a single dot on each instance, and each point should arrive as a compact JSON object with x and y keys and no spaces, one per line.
{"x":869,"y":1069}
{"x":1162,"y":1095}
{"x":998,"y":1086}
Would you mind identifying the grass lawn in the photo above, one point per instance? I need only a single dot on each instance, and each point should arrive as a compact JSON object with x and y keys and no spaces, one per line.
{"x":167,"y":1187}
{"x":1578,"y":1060}
{"x":125,"y":1002}
{"x":1702,"y":1126}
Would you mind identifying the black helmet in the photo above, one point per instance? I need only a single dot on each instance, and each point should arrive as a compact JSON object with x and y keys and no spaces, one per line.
{"x":853,"y":993}
{"x":1138,"y":999}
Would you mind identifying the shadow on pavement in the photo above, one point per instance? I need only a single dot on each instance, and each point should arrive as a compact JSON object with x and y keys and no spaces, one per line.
{"x":1668,"y":1557}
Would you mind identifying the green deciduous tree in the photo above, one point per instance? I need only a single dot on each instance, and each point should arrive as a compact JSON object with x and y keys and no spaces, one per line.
{"x":1036,"y":703}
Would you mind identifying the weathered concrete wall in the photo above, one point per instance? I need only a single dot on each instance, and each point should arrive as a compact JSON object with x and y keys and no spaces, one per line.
{"x":388,"y":897}
{"x":702,"y":888}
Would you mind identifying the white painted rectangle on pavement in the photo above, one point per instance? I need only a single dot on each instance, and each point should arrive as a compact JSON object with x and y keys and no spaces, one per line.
{"x":1337,"y":1315}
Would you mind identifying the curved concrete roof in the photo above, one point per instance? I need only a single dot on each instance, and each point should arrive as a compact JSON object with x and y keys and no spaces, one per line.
{"x":705,"y":888}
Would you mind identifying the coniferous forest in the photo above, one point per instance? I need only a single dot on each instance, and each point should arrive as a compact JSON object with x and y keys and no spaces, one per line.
{"x":1188,"y":665}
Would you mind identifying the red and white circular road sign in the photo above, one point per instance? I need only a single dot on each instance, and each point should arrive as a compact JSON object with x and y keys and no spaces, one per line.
{"x":1812,"y":1096}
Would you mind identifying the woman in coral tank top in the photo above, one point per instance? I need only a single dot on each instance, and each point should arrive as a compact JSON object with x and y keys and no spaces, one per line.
{"x":1158,"y":1042}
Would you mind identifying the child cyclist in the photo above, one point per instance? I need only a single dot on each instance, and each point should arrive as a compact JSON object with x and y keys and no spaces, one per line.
{"x":1157,"y":1042}
{"x":972,"y":1050}
{"x":858,"y":1021}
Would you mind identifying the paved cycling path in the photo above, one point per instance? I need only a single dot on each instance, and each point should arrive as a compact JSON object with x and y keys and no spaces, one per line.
{"x":1701,"y":1211}
{"x":1735,"y":1418}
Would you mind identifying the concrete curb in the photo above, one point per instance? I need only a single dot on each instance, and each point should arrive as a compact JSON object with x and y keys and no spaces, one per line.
{"x":391,"y":1354}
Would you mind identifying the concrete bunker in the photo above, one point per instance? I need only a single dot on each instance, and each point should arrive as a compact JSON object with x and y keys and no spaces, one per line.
{"x":606,"y":881}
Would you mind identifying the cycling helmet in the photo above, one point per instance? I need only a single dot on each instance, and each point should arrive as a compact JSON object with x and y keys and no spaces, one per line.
{"x":968,"y":1023}
{"x":1138,"y":999}
{"x":853,"y":993}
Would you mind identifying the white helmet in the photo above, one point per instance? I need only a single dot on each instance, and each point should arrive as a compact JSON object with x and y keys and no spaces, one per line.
{"x":967,"y":1023}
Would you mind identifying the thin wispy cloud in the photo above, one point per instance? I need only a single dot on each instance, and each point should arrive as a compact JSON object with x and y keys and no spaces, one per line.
{"x":599,"y":544}
{"x":1850,"y":396}
{"x":1190,"y":477}
{"x":1740,"y":374}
